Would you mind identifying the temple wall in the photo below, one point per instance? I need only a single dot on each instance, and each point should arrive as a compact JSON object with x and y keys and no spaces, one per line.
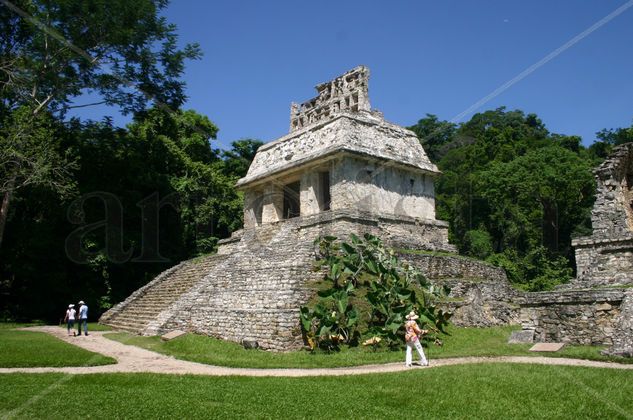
{"x":604,"y":262}
{"x":480,"y":293}
{"x":612,"y":214}
{"x":606,"y":257}
{"x":373,"y":187}
{"x":268,"y":275}
{"x":574,"y":316}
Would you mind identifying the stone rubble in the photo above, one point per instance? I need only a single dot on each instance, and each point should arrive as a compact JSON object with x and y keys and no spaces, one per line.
{"x":606,"y":257}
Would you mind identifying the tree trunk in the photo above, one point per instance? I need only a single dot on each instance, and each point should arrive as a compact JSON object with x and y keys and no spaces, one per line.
{"x":4,"y":210}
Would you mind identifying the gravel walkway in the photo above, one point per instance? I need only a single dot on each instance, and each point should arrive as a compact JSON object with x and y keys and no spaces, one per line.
{"x":133,"y":359}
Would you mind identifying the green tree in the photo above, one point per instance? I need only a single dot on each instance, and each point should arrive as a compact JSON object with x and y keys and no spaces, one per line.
{"x":478,"y":243}
{"x":178,"y":148}
{"x":537,"y":199}
{"x":509,"y":184}
{"x":434,"y":135}
{"x":125,"y":51}
{"x":607,"y":139}
{"x":53,"y":52}
{"x":617,"y":136}
{"x":31,"y":154}
{"x":536,"y":202}
{"x":161,"y":156}
{"x":238,"y":159}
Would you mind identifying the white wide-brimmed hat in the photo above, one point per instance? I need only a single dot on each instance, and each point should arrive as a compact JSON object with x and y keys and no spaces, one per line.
{"x":71,"y":306}
{"x":412,"y":316}
{"x":81,"y":302}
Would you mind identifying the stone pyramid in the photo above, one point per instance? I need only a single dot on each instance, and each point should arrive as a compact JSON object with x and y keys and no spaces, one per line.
{"x":342,"y":169}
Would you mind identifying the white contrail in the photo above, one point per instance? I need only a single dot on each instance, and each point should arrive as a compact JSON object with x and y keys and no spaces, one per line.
{"x":543,"y":61}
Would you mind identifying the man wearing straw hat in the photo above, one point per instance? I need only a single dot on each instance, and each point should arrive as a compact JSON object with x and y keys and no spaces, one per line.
{"x":412,"y":337}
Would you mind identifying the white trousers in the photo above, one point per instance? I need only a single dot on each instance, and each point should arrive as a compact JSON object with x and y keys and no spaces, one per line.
{"x":418,"y":347}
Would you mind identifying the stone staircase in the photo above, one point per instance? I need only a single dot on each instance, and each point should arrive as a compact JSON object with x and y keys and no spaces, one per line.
{"x":254,"y":294}
{"x":144,"y":305}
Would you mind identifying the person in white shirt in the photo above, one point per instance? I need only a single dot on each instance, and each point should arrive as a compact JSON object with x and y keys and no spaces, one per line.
{"x":69,"y":319}
{"x":83,"y":317}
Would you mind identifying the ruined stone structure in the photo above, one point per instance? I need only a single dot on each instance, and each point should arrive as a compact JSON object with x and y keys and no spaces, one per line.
{"x":623,"y":339}
{"x":348,"y":92}
{"x":481,"y":295}
{"x":342,"y":169}
{"x":597,"y":306}
{"x":581,"y":316}
{"x":342,"y":158}
{"x":606,"y":257}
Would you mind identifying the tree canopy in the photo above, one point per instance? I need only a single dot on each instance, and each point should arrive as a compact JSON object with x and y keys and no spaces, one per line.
{"x":51,"y":53}
{"x":145,"y":197}
{"x":513,"y":192}
{"x":91,"y":210}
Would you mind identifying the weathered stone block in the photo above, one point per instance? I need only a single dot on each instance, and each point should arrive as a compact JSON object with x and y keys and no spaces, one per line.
{"x":172,"y":334}
{"x":250,"y":344}
{"x":547,"y":347}
{"x":521,"y":337}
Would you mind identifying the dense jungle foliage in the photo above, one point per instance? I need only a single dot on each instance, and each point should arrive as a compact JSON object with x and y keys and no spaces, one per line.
{"x":514,"y":193}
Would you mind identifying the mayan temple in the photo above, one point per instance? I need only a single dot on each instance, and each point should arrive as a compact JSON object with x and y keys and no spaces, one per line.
{"x":341,"y":169}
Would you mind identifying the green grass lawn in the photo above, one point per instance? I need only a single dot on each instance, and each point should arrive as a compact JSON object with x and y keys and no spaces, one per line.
{"x":493,"y":341}
{"x":491,"y":391}
{"x":13,"y":325}
{"x":461,"y":342}
{"x":37,"y":349}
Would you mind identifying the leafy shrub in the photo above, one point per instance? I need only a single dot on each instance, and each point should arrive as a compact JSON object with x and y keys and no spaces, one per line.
{"x":367,"y":281}
{"x":478,"y":243}
{"x":537,"y":271}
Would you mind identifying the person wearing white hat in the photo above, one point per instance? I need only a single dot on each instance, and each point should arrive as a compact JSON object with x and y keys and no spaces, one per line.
{"x":69,"y":319}
{"x":412,"y":337}
{"x":83,"y":317}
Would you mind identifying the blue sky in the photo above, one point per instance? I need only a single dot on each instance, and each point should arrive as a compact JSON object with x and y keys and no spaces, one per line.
{"x":437,"y":57}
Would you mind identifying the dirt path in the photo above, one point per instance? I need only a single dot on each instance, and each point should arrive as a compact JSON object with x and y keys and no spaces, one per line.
{"x":133,"y":359}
